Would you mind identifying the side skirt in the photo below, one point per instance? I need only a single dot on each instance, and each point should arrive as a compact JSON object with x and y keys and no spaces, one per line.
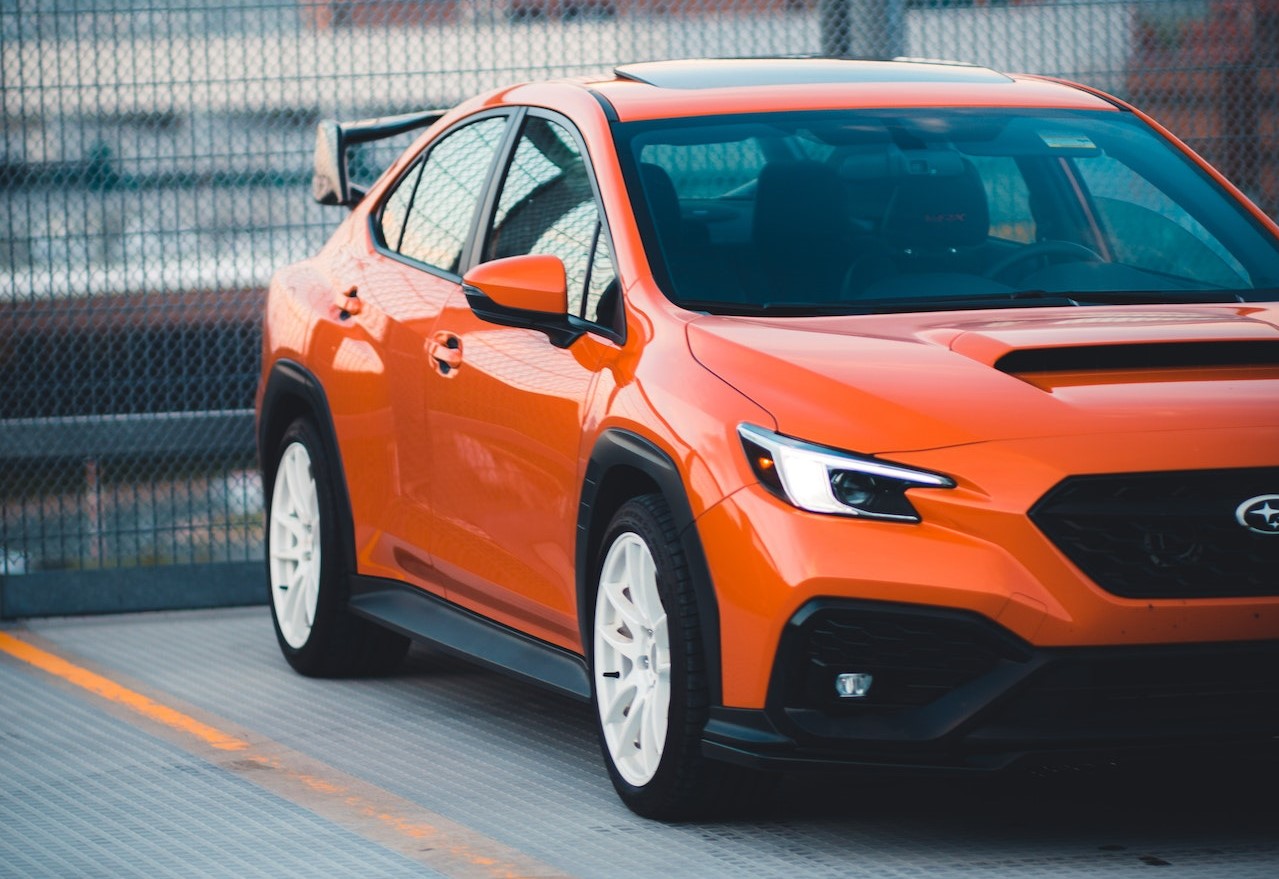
{"x":429,"y":618}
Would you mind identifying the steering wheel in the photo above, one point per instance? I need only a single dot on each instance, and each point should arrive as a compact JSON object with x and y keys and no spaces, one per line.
{"x":1068,"y":249}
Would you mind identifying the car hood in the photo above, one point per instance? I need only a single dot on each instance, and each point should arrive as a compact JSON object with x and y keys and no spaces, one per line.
{"x":909,"y":382}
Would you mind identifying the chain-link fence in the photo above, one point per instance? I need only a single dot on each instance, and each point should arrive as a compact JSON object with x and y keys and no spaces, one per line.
{"x":155,"y":166}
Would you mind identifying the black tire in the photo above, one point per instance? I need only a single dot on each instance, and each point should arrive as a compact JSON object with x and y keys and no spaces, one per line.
{"x":327,"y":641}
{"x":684,"y":784}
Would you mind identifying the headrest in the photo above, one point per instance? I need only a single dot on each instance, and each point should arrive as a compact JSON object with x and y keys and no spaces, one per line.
{"x":934,"y":211}
{"x":799,"y":200}
{"x":663,"y":202}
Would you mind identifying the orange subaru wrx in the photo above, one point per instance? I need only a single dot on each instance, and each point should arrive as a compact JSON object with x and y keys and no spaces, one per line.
{"x":797,"y":412}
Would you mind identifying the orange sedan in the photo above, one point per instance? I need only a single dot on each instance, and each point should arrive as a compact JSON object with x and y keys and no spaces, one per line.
{"x":797,"y":412}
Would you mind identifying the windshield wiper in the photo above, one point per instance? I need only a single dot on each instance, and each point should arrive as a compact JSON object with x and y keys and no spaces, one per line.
{"x":1015,"y":299}
{"x":1133,"y":297}
{"x":869,"y":306}
{"x":784,"y":309}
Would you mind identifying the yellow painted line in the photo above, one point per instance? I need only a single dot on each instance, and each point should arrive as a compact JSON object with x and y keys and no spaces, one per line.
{"x":113,"y":692}
{"x":431,"y":839}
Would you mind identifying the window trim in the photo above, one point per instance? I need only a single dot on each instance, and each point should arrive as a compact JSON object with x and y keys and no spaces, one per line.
{"x":483,"y":230}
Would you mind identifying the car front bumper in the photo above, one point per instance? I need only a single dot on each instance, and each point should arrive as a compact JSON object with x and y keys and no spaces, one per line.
{"x":952,"y":690}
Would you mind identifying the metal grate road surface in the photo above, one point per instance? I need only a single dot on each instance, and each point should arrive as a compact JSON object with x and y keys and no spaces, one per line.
{"x":516,"y":774}
{"x":87,"y":795}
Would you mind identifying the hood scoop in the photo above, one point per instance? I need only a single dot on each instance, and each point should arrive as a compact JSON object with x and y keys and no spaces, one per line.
{"x":1169,"y":344}
{"x":1148,"y":356}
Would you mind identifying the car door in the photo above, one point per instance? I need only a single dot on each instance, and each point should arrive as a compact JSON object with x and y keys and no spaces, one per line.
{"x":421,"y":234}
{"x":506,"y":418}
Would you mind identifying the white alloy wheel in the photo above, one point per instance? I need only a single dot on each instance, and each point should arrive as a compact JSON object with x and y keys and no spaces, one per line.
{"x":294,"y":545}
{"x":632,"y":660}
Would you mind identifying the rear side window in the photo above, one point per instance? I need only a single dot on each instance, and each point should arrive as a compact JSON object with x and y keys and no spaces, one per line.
{"x":428,"y":215}
{"x":396,"y":209}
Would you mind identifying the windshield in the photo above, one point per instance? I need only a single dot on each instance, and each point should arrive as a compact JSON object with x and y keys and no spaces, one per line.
{"x":861,"y":210}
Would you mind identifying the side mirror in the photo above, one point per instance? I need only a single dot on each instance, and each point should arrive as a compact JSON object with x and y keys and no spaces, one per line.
{"x":524,"y":291}
{"x":529,"y":283}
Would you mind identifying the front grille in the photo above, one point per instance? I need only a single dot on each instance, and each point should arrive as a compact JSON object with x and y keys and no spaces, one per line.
{"x":916,"y":655}
{"x":1165,"y":535}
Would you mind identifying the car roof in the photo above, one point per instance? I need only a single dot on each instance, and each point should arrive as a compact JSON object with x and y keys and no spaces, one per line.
{"x":756,"y":72}
{"x":660,"y":89}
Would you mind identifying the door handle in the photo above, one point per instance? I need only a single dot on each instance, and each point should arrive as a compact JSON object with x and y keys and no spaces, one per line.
{"x":446,"y":349}
{"x":348,"y":303}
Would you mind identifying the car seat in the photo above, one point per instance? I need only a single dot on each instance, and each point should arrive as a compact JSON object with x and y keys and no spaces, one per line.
{"x":800,"y":232}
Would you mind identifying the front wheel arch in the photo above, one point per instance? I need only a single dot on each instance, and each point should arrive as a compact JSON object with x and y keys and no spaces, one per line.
{"x":623,"y":466}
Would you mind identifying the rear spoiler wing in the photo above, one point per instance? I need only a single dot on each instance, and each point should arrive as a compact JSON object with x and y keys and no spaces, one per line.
{"x":329,"y":183}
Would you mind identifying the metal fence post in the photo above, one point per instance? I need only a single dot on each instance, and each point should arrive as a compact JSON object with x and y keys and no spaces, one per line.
{"x":863,"y":28}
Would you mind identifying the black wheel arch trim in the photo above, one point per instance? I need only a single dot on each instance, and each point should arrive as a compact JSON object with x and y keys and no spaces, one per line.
{"x":623,"y":448}
{"x":289,"y":379}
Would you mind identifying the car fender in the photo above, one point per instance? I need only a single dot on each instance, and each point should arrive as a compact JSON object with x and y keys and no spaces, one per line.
{"x":623,"y":449}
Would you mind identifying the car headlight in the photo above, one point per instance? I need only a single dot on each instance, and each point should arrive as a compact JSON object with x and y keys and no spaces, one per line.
{"x":825,"y":480}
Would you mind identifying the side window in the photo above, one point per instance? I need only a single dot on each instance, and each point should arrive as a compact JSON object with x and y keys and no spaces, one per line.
{"x":600,"y":305}
{"x":547,"y":206}
{"x":1148,"y":230}
{"x":1008,"y":197}
{"x":707,"y":170}
{"x":437,"y":215}
{"x":396,"y":208}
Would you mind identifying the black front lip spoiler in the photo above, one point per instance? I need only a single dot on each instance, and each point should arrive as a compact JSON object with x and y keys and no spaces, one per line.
{"x":747,"y":738}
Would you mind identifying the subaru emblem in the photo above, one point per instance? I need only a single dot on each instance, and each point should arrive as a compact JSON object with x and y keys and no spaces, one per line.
{"x":1260,"y":514}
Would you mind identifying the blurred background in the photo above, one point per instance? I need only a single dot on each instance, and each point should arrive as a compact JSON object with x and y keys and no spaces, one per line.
{"x":155,"y":169}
